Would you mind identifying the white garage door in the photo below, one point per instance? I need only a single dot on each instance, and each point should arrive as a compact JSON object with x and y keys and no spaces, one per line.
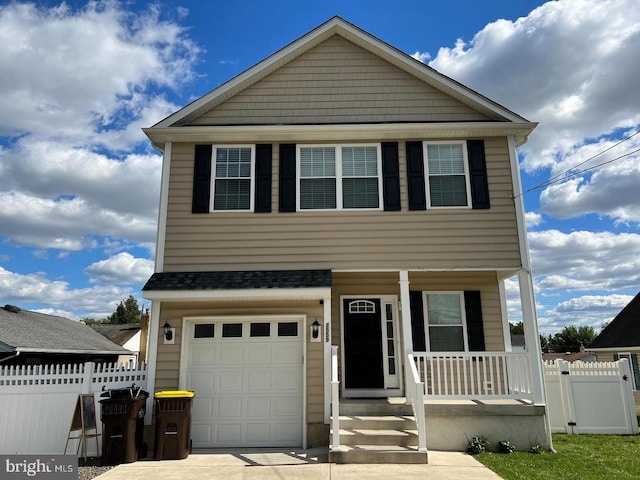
{"x":247,"y":377}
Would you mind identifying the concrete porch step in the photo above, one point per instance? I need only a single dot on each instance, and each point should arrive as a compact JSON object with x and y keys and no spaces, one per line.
{"x":362,"y":437}
{"x":375,"y":407}
{"x":382,"y":422}
{"x":378,"y":454}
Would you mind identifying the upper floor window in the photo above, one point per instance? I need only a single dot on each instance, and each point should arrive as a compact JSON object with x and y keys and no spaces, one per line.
{"x":233,"y":178}
{"x":447,"y":174}
{"x":445,"y":320}
{"x":339,"y":177}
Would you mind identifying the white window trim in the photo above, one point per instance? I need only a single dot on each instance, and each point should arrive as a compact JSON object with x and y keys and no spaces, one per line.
{"x":339,"y":177}
{"x":214,"y":178}
{"x":467,"y":176}
{"x":463,"y":314}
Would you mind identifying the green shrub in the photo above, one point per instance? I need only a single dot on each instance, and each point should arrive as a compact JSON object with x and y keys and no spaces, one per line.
{"x":505,"y":446}
{"x":477,"y":444}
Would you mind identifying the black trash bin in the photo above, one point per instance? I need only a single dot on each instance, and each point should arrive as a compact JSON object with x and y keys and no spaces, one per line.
{"x":122,"y":413}
{"x":173,"y":421}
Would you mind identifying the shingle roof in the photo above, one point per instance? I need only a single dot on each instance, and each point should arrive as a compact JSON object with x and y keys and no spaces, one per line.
{"x":624,"y":329}
{"x":117,"y":333}
{"x":37,"y":332}
{"x":239,"y":280}
{"x":569,"y":356}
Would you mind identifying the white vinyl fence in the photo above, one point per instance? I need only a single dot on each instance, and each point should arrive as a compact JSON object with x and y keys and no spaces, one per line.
{"x":591,"y":397}
{"x":37,"y":403}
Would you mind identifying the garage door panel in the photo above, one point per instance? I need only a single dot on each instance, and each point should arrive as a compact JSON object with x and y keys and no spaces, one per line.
{"x":228,"y":434}
{"x":248,"y":390}
{"x":205,"y":381}
{"x":229,"y":407}
{"x":231,"y":354}
{"x":259,"y":380}
{"x":259,"y":354}
{"x":229,"y":381}
{"x":258,"y":407}
{"x":202,"y":355}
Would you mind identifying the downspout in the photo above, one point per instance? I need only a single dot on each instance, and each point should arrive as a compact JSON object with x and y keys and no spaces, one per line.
{"x":527,"y":298}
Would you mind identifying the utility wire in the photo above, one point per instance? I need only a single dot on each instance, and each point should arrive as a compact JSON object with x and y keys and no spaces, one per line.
{"x":563,"y":176}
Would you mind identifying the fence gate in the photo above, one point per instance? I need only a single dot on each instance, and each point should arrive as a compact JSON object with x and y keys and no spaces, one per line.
{"x":593,"y":397}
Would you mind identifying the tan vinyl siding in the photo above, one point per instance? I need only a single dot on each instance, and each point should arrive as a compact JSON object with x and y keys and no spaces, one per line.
{"x":386,"y":283}
{"x":338,"y":82}
{"x":342,"y":240}
{"x":168,"y":359}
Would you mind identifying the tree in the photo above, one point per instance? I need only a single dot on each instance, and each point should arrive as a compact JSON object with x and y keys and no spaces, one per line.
{"x":571,"y":338}
{"x":516,"y":328}
{"x":127,"y":311}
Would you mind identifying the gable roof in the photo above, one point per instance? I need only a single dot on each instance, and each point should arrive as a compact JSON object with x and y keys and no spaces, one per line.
{"x":338,"y":26}
{"x":27,"y":331}
{"x":624,"y":329}
{"x":117,"y":333}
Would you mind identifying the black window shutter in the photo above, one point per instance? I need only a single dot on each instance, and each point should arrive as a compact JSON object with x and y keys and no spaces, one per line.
{"x":417,"y":321}
{"x":616,"y":357}
{"x":263,"y":178}
{"x":201,"y":179}
{"x":287,"y":178}
{"x":478,"y":173}
{"x":415,"y":176}
{"x":390,"y":177}
{"x":475,"y":329}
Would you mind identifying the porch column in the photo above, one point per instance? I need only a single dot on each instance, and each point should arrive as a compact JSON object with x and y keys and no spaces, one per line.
{"x":531,"y":335}
{"x":326,"y":341}
{"x":152,"y":355}
{"x":407,"y":337}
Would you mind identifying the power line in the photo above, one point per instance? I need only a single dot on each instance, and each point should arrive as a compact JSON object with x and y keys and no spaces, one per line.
{"x":562,"y":176}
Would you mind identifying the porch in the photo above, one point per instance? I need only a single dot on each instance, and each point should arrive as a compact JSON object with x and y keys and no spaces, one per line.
{"x":450,"y":397}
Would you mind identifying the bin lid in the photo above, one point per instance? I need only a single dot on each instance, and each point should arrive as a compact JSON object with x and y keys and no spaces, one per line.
{"x":174,"y":394}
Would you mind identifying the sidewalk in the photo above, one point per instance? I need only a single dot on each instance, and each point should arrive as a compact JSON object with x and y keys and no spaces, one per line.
{"x":311,"y":464}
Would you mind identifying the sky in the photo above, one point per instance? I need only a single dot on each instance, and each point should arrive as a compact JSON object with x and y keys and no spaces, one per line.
{"x":79,"y":181}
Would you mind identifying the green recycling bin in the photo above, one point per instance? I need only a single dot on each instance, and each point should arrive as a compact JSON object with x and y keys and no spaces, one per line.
{"x":173,"y":424}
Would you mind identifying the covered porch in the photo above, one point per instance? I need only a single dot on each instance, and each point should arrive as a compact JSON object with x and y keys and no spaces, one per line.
{"x":448,"y":397}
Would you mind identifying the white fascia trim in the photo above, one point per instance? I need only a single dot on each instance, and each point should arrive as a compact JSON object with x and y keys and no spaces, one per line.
{"x":519,"y":205}
{"x":613,"y":349}
{"x":162,"y":211}
{"x":240,"y":294}
{"x":339,"y":132}
{"x":72,"y":350}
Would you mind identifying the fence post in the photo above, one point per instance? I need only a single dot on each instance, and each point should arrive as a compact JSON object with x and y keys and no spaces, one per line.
{"x":87,"y":378}
{"x":626,"y":375}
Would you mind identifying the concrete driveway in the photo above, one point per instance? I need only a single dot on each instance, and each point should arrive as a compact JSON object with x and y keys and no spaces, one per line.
{"x":258,"y":464}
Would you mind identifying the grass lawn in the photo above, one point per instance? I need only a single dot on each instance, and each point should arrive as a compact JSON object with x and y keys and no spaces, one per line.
{"x":579,"y":457}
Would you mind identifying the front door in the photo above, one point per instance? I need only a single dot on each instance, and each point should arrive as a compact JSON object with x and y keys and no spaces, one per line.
{"x":363,"y":353}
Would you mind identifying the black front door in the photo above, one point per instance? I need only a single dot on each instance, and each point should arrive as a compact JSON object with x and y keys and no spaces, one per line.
{"x":363,"y":344}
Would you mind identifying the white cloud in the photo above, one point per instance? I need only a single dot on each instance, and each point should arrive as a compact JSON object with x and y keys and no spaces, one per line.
{"x":96,"y":302}
{"x":423,"y":57}
{"x":533,"y":219}
{"x":588,"y":310}
{"x":122,"y":268}
{"x":73,"y":74}
{"x":585,"y":260}
{"x":567,"y":65}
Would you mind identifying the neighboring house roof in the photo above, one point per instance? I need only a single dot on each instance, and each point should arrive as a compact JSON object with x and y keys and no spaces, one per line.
{"x":493,"y":112}
{"x":624,"y":329}
{"x":239,"y":280}
{"x":117,"y":333}
{"x":570,"y":356}
{"x":27,"y":331}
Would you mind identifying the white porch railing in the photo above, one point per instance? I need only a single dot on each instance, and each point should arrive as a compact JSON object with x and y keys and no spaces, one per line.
{"x":335,"y":401}
{"x":415,"y":395}
{"x":481,"y":375}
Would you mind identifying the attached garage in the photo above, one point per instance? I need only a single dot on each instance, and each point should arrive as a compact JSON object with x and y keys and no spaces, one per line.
{"x":248,"y":375}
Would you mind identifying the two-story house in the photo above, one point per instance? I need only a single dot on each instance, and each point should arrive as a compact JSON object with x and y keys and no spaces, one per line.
{"x":336,"y":225}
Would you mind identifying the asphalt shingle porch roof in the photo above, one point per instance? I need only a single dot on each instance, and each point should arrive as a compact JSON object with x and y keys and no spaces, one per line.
{"x":238,"y":280}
